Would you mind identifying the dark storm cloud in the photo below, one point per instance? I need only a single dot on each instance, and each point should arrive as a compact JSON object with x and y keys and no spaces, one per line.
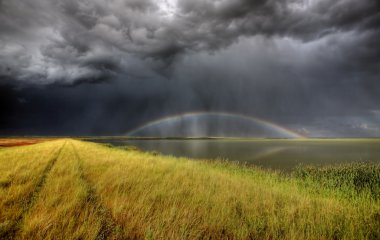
{"x":105,"y":67}
{"x":49,"y":41}
{"x":83,"y":109}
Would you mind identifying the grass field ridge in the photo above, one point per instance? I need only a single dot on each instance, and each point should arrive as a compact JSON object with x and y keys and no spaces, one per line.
{"x":108,"y":225}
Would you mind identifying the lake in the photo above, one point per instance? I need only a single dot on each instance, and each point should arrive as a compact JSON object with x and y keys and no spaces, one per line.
{"x":279,"y":154}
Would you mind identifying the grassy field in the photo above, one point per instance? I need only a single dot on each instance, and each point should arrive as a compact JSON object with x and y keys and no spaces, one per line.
{"x":69,"y":189}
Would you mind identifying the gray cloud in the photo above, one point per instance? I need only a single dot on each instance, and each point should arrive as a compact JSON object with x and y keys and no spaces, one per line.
{"x":130,"y":61}
{"x":65,"y":41}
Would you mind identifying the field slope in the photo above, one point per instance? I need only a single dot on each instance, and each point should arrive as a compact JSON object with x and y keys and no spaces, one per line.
{"x":69,"y":189}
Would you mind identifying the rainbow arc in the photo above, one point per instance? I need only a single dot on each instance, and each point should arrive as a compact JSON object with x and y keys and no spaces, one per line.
{"x":180,"y":117}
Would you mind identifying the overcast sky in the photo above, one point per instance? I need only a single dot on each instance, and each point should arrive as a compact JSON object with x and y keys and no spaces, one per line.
{"x":105,"y":67}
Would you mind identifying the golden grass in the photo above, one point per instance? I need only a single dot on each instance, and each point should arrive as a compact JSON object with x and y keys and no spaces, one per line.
{"x":21,"y":169}
{"x":96,"y":192}
{"x":64,"y":209}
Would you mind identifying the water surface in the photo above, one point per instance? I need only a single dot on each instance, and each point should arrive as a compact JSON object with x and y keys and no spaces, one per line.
{"x":280,"y":154}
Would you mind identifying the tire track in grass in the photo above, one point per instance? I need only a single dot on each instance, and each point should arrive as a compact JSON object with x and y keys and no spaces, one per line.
{"x":16,"y":226}
{"x":108,"y":224}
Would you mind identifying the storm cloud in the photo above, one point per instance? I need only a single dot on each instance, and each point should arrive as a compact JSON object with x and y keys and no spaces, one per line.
{"x":300,"y":63}
{"x":48,"y":41}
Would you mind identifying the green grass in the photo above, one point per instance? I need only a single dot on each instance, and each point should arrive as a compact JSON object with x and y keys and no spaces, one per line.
{"x":68,"y":189}
{"x":355,"y":180}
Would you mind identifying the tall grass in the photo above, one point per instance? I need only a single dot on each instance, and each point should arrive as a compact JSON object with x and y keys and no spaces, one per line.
{"x":20,"y":172}
{"x":353,"y":180}
{"x":165,"y":197}
{"x":64,"y":209}
{"x":99,"y":192}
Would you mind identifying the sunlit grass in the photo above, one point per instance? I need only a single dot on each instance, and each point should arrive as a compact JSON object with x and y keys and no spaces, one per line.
{"x":99,"y":192}
{"x":20,"y":172}
{"x":64,"y":207}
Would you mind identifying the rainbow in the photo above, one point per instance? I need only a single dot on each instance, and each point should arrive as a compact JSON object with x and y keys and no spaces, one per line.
{"x":166,"y":120}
